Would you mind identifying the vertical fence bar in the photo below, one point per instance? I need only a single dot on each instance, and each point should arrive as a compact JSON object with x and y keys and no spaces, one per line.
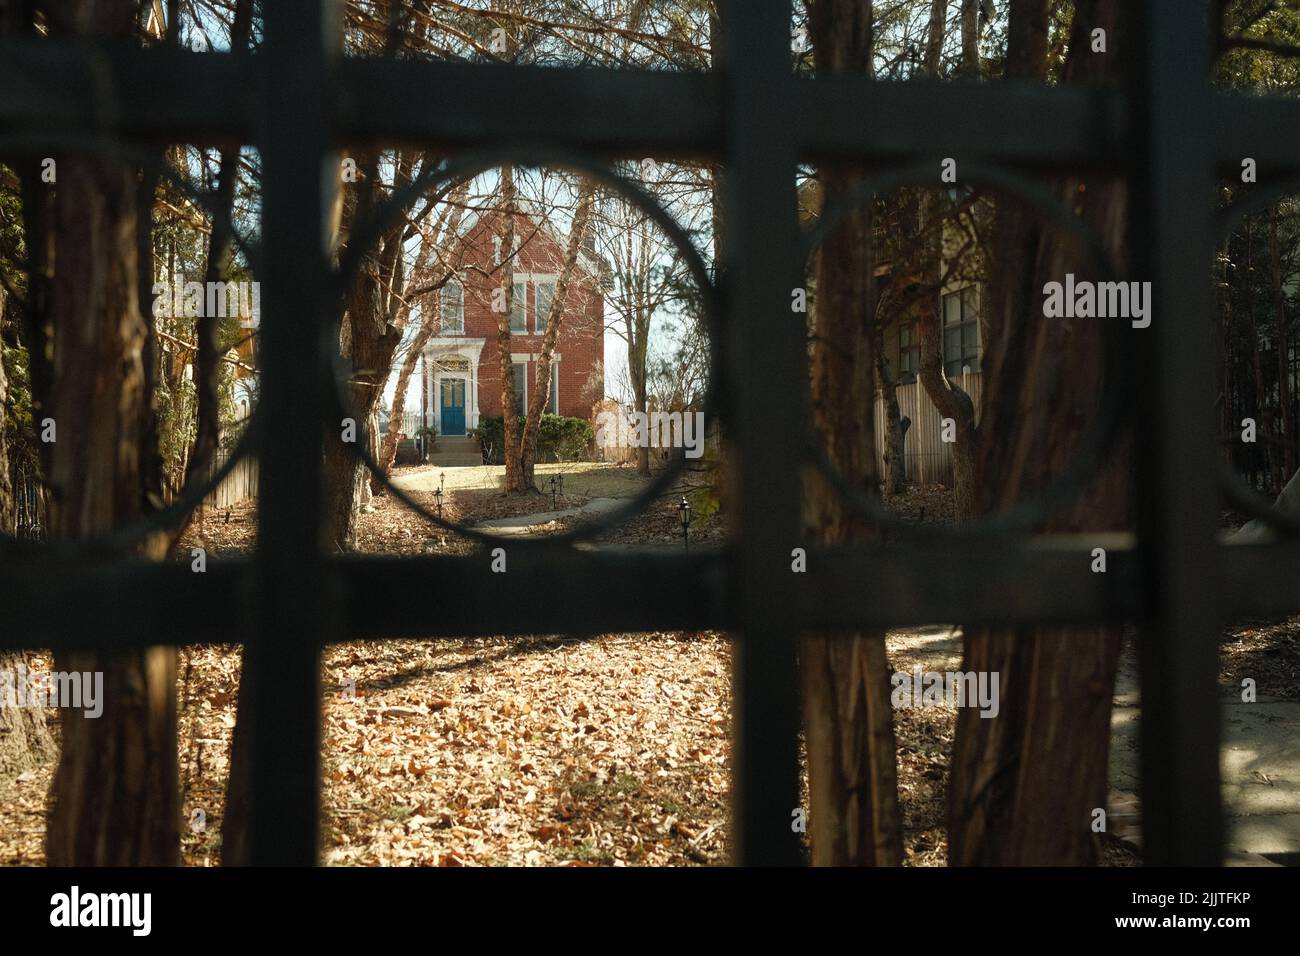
{"x":283,"y":658}
{"x":760,"y":242}
{"x":1178,"y":500}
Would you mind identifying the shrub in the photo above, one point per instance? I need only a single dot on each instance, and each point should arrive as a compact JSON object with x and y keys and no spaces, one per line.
{"x":560,"y":438}
{"x":563,"y":438}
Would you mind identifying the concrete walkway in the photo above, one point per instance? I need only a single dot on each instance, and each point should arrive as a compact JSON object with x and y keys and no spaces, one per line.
{"x":1259,"y":764}
{"x":518,"y":525}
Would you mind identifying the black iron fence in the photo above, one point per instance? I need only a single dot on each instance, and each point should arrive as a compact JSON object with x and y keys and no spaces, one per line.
{"x":1168,"y":132}
{"x":29,"y":501}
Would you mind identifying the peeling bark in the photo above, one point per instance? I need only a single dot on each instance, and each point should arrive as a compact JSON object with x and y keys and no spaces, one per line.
{"x":852,"y":763}
{"x":1025,"y":783}
{"x":510,"y":421}
{"x":114,"y":799}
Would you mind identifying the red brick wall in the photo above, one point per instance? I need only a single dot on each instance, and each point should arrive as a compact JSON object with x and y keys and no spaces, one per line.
{"x":582,"y":336}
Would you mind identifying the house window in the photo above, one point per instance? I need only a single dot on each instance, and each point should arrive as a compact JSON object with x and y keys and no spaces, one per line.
{"x":960,"y":331}
{"x":519,"y":307}
{"x":520,"y":371}
{"x":554,"y":407}
{"x":909,"y":349}
{"x":453,"y":309}
{"x":545,"y":295}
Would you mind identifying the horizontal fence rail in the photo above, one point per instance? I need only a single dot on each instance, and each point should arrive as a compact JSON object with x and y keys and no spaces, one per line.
{"x":166,"y":95}
{"x":68,"y":604}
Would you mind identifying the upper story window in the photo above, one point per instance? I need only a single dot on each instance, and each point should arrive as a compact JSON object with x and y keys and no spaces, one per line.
{"x":519,"y":307}
{"x":909,"y":349}
{"x":961,"y":331}
{"x":545,"y":296}
{"x":453,"y":308}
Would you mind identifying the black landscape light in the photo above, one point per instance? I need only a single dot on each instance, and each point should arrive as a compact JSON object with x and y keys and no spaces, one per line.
{"x":684,"y":510}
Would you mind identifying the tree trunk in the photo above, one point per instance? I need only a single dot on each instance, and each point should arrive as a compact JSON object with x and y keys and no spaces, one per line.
{"x":970,"y":38}
{"x":388,"y":450}
{"x":207,"y":434}
{"x":114,"y":800}
{"x":949,"y":399}
{"x":641,"y":403}
{"x":934,"y":36}
{"x":895,"y":424}
{"x":511,"y":435}
{"x":1025,"y":783}
{"x":369,"y":339}
{"x":852,"y":763}
{"x":25,"y":740}
{"x":445,"y":233}
{"x":537,"y":401}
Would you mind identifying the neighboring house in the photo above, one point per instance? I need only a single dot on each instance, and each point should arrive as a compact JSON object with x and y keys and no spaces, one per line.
{"x":957,"y":306}
{"x":963,"y":350}
{"x":958,"y":312}
{"x":462,"y":373}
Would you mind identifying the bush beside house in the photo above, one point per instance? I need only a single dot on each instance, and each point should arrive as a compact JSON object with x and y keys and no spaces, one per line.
{"x":560,"y":438}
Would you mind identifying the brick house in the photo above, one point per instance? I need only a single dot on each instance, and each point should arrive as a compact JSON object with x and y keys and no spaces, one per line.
{"x":462,"y":372}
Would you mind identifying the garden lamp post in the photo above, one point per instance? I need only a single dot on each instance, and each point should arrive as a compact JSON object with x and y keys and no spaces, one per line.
{"x":684,"y":511}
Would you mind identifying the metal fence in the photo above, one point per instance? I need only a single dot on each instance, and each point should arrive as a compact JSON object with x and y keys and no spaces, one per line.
{"x":30,"y":513}
{"x":1167,"y":131}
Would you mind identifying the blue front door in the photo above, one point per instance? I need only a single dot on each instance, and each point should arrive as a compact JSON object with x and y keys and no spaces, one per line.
{"x":453,"y":406}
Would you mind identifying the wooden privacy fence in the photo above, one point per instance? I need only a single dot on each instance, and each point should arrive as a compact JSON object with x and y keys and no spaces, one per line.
{"x":1166,"y":132}
{"x":926,"y":456}
{"x":239,"y":485}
